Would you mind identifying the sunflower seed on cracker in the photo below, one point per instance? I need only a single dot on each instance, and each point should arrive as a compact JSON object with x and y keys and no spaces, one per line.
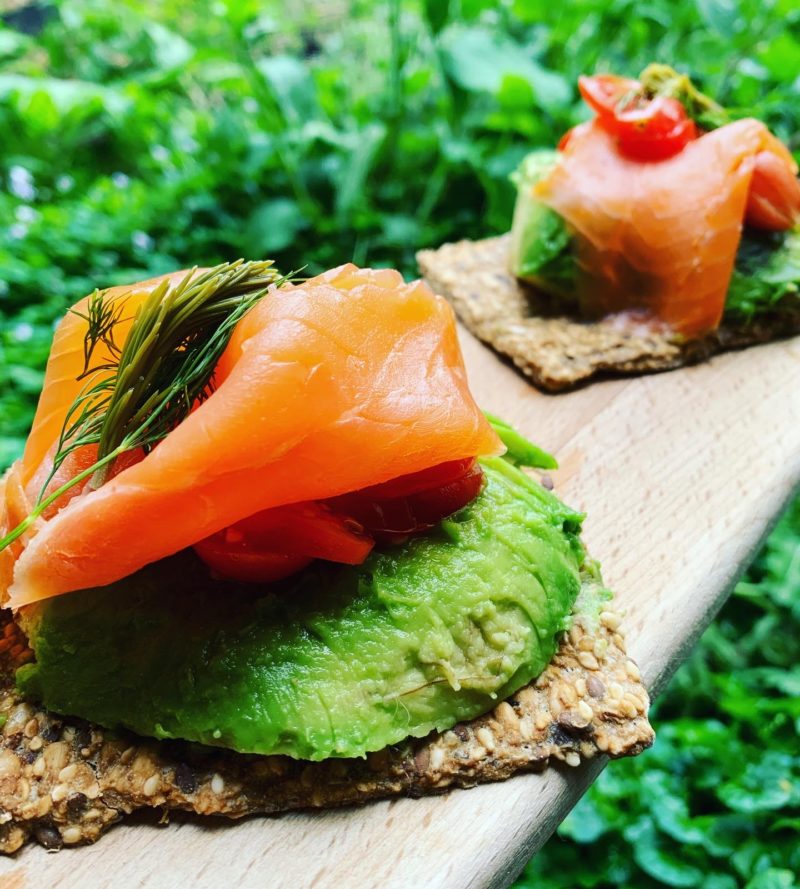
{"x":64,"y":781}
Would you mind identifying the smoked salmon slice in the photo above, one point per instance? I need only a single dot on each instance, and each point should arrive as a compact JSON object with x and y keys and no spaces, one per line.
{"x":66,"y":361}
{"x":661,"y":236}
{"x":346,"y":381}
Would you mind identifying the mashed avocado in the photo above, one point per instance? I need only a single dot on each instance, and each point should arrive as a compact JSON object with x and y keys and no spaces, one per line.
{"x":541,"y":248}
{"x":336,"y":661}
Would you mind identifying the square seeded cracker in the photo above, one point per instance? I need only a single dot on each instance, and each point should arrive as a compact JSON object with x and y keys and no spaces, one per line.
{"x":64,"y":781}
{"x":555,"y":351}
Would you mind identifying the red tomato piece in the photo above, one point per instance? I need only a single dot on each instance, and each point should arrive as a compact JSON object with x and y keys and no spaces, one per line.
{"x":435,"y":504}
{"x":604,"y":92}
{"x":246,"y":566}
{"x":311,"y":528}
{"x":415,"y":502}
{"x":277,"y":542}
{"x":434,"y":477}
{"x":774,"y":199}
{"x":647,"y":129}
{"x":656,"y":130}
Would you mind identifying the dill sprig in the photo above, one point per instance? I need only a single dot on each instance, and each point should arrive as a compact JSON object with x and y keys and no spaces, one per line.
{"x":148,"y":385}
{"x":103,"y":313}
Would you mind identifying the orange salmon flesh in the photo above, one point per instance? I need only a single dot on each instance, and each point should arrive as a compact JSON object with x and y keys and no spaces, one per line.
{"x":658,"y":236}
{"x":348,"y":380}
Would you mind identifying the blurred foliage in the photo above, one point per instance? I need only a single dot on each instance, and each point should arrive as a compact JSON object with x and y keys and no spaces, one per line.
{"x":716,"y":802}
{"x":140,"y":136}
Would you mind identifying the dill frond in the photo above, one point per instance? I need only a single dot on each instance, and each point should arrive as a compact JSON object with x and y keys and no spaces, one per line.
{"x":164,"y":367}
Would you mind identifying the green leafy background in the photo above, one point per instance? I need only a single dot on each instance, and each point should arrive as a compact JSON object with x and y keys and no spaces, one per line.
{"x":140,"y":136}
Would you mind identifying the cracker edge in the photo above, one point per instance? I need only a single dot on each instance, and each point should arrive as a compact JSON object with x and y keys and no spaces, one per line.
{"x":560,"y":353}
{"x":65,"y":782}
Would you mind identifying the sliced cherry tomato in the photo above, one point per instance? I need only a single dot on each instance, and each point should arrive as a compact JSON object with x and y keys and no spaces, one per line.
{"x":603,"y":93}
{"x":434,"y":477}
{"x":312,"y":529}
{"x":774,"y":199}
{"x":655,"y":130}
{"x":415,"y":502}
{"x":247,"y":566}
{"x":277,"y":542}
{"x":435,"y":504}
{"x":647,"y":129}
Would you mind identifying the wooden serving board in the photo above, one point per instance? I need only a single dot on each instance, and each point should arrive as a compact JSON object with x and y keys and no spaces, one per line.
{"x":682,"y":475}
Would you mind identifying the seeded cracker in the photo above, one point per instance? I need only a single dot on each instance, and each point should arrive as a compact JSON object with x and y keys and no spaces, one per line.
{"x":64,"y":781}
{"x":557,"y":352}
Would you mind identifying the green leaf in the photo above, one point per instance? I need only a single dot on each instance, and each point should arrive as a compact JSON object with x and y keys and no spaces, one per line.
{"x":478,"y":59}
{"x":669,"y":810}
{"x":585,"y":823}
{"x":365,"y":152}
{"x":773,"y":878}
{"x":401,"y":229}
{"x":171,"y":50}
{"x":473,"y":9}
{"x":28,"y":379}
{"x":293,"y":86}
{"x":515,"y":93}
{"x":66,"y":95}
{"x":781,"y":57}
{"x":272,"y":227}
{"x":529,"y":11}
{"x":762,"y":786}
{"x":751,"y":857}
{"x":723,"y":16}
{"x":11,"y":447}
{"x":12,"y":44}
{"x":437,"y":13}
{"x":656,"y":859}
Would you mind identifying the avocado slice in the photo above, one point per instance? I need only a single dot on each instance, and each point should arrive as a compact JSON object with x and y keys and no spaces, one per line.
{"x":765,"y":280}
{"x":541,"y":248}
{"x":336,"y":661}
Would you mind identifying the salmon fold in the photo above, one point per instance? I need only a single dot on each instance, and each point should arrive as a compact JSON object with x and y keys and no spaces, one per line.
{"x":348,"y":380}
{"x":661,"y":236}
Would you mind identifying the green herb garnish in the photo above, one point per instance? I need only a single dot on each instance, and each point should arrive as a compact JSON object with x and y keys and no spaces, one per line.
{"x":766,"y":278}
{"x":165,"y":366}
{"x":661,"y":80}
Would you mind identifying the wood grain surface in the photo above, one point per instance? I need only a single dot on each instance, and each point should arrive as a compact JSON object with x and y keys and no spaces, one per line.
{"x":682,"y":475}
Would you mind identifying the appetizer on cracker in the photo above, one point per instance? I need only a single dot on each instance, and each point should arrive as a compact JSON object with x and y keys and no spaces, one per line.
{"x":658,"y":232}
{"x":269,"y":519}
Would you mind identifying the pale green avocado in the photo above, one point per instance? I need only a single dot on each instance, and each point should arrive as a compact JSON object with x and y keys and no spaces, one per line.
{"x":336,"y":661}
